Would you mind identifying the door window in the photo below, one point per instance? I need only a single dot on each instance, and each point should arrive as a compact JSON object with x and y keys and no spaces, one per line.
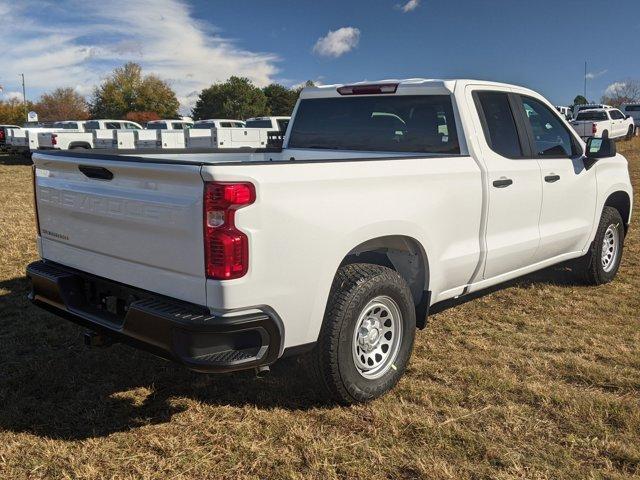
{"x":499,"y":124}
{"x":616,"y":115}
{"x":551,"y":137}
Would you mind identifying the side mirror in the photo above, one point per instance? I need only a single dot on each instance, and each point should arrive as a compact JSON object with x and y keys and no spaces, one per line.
{"x":598,"y":148}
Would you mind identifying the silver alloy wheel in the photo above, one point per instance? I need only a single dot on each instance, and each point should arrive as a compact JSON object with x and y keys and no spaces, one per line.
{"x":609,"y":254}
{"x":377,"y":337}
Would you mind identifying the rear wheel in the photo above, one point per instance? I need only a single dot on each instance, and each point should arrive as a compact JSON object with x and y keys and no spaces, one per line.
{"x":602,"y":261}
{"x":605,"y":134}
{"x":367,"y":334}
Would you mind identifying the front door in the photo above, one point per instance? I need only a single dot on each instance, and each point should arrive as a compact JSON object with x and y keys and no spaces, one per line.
{"x":568,"y":188}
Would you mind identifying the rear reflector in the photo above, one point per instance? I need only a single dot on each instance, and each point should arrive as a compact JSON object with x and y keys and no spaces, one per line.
{"x":226,"y":248}
{"x":373,"y":89}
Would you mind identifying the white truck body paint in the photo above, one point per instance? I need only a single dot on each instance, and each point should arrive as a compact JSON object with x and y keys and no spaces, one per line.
{"x":144,"y":228}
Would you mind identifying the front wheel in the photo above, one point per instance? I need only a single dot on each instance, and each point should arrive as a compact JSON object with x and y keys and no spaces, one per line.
{"x":602,"y":261}
{"x":367,"y":334}
{"x":630,"y":133}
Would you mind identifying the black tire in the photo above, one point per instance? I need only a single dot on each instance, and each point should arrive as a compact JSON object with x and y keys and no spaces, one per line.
{"x":331,"y":363}
{"x":605,"y":134}
{"x":591,"y":267}
{"x":630,"y":132}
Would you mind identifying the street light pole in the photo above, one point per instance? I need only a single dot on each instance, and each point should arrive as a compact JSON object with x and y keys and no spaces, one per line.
{"x":24,"y":98}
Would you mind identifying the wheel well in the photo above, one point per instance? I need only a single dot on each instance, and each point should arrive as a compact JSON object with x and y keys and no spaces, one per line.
{"x":620,"y":201}
{"x":407,"y":257}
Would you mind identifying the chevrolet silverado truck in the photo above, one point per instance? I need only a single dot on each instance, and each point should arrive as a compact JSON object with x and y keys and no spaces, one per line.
{"x":603,"y":122}
{"x":386,"y":199}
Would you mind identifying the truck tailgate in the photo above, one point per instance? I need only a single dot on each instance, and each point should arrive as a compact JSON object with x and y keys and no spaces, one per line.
{"x":138,"y":223}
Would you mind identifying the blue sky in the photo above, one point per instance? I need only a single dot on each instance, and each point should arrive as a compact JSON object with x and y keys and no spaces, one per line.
{"x":538,"y":43}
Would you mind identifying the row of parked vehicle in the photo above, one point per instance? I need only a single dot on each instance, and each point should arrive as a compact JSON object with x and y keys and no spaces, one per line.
{"x":258,"y":132}
{"x":603,"y":121}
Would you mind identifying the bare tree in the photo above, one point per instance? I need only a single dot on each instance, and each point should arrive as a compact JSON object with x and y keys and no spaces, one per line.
{"x":625,"y":91}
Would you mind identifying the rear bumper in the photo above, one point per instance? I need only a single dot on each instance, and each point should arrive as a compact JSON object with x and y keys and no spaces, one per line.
{"x":168,"y":328}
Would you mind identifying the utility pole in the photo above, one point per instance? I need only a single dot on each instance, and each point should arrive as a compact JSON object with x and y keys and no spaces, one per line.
{"x":585,"y":80}
{"x":24,"y":99}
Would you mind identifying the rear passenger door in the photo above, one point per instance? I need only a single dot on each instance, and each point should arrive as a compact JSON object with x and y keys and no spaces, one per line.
{"x":513,"y":183}
{"x":568,"y":188}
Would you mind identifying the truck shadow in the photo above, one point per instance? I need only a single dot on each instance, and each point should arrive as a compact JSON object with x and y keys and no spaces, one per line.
{"x":51,"y":385}
{"x":6,"y":159}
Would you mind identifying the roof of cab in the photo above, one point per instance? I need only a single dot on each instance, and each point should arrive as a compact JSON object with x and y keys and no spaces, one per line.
{"x":425,"y":86}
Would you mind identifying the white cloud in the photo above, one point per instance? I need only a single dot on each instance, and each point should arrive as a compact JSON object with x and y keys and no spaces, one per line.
{"x":614,"y":88}
{"x":338,"y":42}
{"x":410,"y":6}
{"x":95,"y":36}
{"x":592,"y":75}
{"x":11,"y":95}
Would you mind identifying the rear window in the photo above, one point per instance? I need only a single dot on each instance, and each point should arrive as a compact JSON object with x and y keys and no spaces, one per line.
{"x":66,"y":125}
{"x":632,"y":108}
{"x":402,"y":123}
{"x":156,"y":126}
{"x":589,"y":107}
{"x":91,"y":125}
{"x":204,"y":125}
{"x":592,"y":116}
{"x":258,"y":124}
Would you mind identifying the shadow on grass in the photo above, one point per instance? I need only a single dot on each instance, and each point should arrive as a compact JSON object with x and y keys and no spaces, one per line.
{"x":53,"y":386}
{"x":559,"y":275}
{"x":7,"y":159}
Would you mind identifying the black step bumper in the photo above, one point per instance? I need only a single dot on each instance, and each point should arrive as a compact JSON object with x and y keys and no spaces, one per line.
{"x":168,"y":328}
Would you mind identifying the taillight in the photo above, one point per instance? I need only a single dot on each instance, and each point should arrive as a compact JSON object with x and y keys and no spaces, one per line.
{"x":594,"y":128}
{"x":226,"y":249}
{"x":35,"y":198}
{"x":373,"y":89}
{"x":1,"y":134}
{"x":54,"y":139}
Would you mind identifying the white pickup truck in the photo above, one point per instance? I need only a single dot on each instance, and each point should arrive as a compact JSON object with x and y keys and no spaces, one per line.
{"x":386,"y":199}
{"x":603,"y":122}
{"x":632,"y":110}
{"x":69,"y":134}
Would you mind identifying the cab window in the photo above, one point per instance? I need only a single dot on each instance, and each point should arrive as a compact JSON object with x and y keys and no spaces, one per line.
{"x":499,"y":123}
{"x":551,"y":137}
{"x":616,"y":115}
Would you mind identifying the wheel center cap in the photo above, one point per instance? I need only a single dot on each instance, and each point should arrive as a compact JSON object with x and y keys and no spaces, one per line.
{"x":374,"y":333}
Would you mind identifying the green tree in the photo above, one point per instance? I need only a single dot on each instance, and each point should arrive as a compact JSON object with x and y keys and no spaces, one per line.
{"x":62,"y":104}
{"x":580,"y":100}
{"x":127,"y":90}
{"x":280,"y":99}
{"x":236,"y":98}
{"x":12,"y":111}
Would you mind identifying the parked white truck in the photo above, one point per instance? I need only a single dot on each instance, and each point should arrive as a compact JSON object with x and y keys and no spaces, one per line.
{"x":226,"y":137}
{"x":386,"y":198}
{"x":603,"y":122}
{"x":632,"y":110}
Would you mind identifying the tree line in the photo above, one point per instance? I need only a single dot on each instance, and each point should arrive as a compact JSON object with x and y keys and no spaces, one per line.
{"x":130,"y":94}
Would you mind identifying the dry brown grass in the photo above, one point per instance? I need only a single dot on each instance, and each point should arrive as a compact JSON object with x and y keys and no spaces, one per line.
{"x":539,"y":379}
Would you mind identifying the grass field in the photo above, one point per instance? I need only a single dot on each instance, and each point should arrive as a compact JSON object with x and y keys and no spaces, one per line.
{"x":538,"y":379}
